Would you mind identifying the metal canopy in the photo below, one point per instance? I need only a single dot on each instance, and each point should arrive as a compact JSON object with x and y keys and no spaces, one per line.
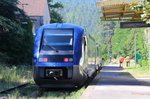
{"x":116,"y":2}
{"x":119,"y":10}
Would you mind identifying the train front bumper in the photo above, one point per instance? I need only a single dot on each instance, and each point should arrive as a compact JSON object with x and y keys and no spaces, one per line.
{"x":73,"y":77}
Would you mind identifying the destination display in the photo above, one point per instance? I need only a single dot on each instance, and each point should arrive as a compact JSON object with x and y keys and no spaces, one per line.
{"x":135,"y":24}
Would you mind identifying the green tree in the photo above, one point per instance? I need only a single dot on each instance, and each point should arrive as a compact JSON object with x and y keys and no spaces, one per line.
{"x":9,"y":10}
{"x":145,"y":7}
{"x":123,"y":42}
{"x":54,"y":8}
{"x":56,"y":17}
{"x":16,"y":39}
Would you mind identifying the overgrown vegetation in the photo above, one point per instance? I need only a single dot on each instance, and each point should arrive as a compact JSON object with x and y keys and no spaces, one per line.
{"x":16,"y":39}
{"x":54,"y":8}
{"x":123,"y":42}
{"x":141,"y":70}
{"x":14,"y":75}
{"x":34,"y":92}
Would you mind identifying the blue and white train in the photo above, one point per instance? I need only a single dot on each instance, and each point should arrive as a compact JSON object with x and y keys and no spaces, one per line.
{"x":62,"y":57}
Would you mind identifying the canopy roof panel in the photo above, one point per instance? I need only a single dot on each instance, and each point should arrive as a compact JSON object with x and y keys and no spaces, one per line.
{"x":119,"y":10}
{"x":116,"y":2}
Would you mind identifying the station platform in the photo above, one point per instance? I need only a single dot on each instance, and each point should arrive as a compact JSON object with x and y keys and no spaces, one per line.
{"x":114,"y":83}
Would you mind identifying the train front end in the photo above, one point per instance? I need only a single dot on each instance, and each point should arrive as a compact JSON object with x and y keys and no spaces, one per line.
{"x":57,"y":52}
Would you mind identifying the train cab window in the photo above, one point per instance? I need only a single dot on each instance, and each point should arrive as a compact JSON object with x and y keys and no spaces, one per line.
{"x":57,"y":39}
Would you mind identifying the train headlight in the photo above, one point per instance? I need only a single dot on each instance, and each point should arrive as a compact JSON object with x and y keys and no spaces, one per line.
{"x":43,"y":59}
{"x":66,"y":60}
{"x":70,"y":59}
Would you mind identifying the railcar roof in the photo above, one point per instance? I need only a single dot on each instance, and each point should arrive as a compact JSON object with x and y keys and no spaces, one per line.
{"x":77,"y":29}
{"x":62,"y":25}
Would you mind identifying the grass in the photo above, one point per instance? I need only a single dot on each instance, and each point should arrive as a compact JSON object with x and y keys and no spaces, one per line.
{"x":11,"y":76}
{"x":33,"y":92}
{"x":138,"y":71}
{"x":76,"y":95}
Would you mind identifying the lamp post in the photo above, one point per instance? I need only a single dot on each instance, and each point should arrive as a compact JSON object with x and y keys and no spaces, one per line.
{"x":134,"y":31}
{"x":134,"y":45}
{"x":148,"y":35}
{"x":97,"y":45}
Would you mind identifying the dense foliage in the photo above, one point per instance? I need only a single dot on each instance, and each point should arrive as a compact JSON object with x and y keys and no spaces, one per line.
{"x":124,"y":43}
{"x":54,"y":8}
{"x":83,"y":13}
{"x":145,"y":7}
{"x":16,"y":39}
{"x":56,"y":17}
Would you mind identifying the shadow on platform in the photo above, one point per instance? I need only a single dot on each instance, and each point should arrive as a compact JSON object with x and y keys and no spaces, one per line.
{"x":114,"y":75}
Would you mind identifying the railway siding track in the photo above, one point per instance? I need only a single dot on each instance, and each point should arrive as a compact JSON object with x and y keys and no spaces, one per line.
{"x":13,"y":88}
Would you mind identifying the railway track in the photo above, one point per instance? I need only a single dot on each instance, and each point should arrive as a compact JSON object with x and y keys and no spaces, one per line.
{"x":32,"y":90}
{"x":13,"y":88}
{"x":37,"y":92}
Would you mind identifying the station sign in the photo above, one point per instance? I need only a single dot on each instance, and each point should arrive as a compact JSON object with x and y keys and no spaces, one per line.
{"x":135,"y":24}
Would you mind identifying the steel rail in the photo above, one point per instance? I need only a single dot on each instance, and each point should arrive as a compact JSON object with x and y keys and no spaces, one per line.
{"x":13,"y":88}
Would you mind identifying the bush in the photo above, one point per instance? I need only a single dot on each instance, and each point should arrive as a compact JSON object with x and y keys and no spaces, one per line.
{"x":143,"y":63}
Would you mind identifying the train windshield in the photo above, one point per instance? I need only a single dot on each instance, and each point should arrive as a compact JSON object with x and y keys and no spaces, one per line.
{"x":57,"y":39}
